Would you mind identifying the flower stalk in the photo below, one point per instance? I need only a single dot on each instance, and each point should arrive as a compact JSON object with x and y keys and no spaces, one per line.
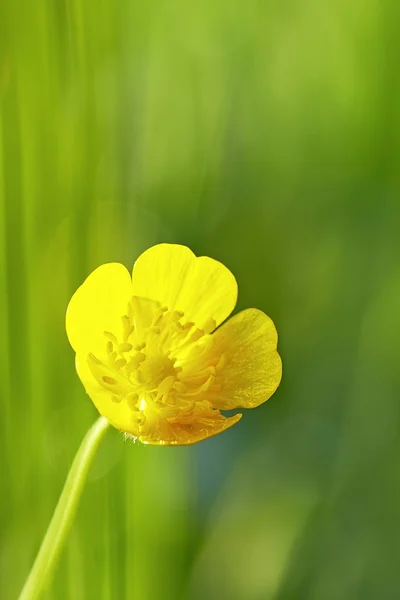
{"x":64,"y":513}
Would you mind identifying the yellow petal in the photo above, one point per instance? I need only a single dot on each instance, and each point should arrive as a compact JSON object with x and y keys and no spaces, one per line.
{"x":253,"y":368}
{"x":180,"y":434}
{"x":97,"y":306}
{"x":118,"y":413}
{"x":203,"y":288}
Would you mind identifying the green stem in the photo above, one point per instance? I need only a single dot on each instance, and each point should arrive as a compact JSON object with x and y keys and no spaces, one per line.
{"x":64,"y":512}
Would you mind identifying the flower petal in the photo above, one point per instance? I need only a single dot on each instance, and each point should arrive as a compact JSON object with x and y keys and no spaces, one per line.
{"x":253,"y":367}
{"x":203,"y":288}
{"x":118,"y":413}
{"x":183,"y":434}
{"x":97,"y":306}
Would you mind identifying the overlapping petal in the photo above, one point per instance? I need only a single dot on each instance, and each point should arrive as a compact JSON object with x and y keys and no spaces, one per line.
{"x":97,"y":306}
{"x":201,"y":287}
{"x":166,"y":433}
{"x":118,"y":413}
{"x":253,"y":367}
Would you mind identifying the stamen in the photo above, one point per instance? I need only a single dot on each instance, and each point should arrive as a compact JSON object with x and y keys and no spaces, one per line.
{"x":199,"y":377}
{"x":169,"y":411}
{"x":139,"y":347}
{"x":111,"y":337}
{"x":155,"y":330}
{"x":127,"y":326}
{"x":166,"y":385}
{"x":176,"y":315}
{"x":187,"y":405}
{"x":160,"y":366}
{"x":221,"y":363}
{"x":180,"y":387}
{"x":125,"y":347}
{"x":121,"y":362}
{"x":132,"y":365}
{"x":158,"y":406}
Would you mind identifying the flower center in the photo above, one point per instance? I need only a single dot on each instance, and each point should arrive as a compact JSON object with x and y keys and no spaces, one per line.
{"x":162,"y":367}
{"x":154,"y":370}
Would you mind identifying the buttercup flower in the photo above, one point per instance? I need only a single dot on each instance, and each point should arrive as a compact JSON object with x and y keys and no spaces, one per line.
{"x":150,"y":352}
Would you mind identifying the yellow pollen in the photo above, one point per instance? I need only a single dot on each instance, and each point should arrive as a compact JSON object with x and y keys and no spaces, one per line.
{"x":159,"y":365}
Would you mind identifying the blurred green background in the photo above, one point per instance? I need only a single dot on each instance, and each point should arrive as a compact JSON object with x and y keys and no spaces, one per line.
{"x":263,"y":134}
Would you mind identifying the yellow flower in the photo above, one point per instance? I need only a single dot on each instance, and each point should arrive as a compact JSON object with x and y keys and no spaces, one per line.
{"x":149,"y":353}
